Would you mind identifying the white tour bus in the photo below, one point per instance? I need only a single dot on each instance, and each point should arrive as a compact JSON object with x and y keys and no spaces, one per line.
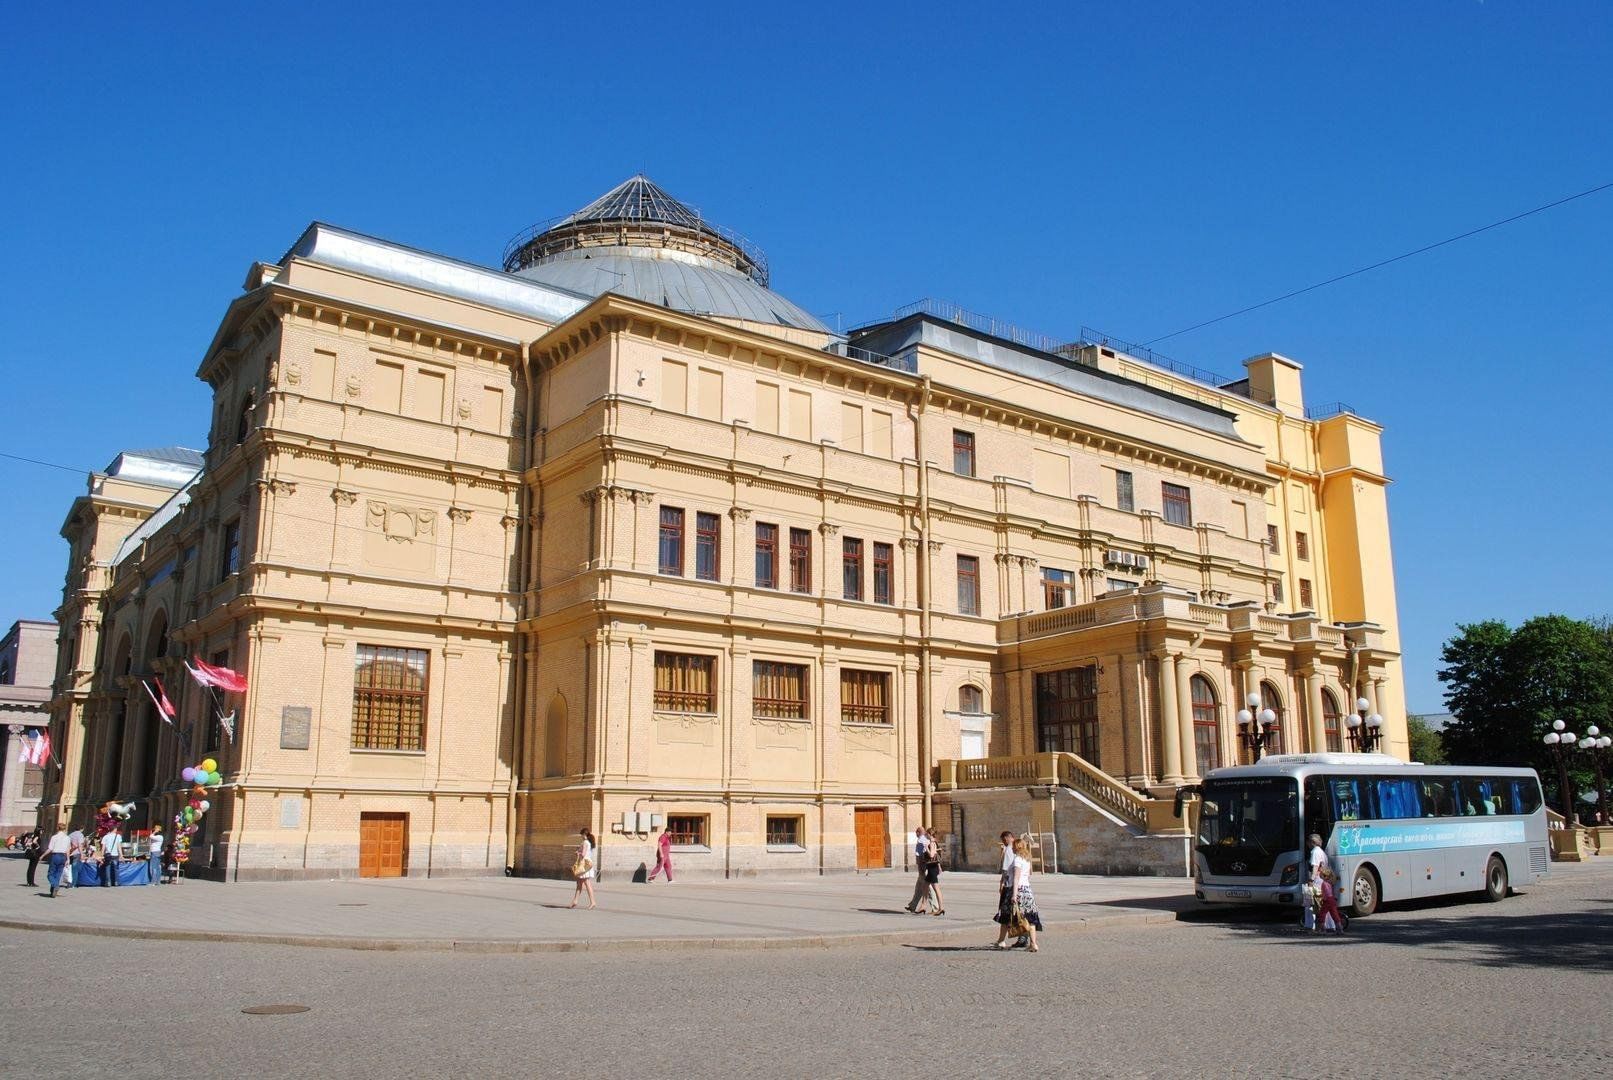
{"x":1393,"y":831}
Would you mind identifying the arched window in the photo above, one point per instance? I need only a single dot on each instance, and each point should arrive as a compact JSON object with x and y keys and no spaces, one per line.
{"x":1269,"y":699}
{"x":971,"y":699}
{"x":1330,"y":722}
{"x":243,"y":425}
{"x":157,"y":639}
{"x":1206,"y":725}
{"x":123,"y":658}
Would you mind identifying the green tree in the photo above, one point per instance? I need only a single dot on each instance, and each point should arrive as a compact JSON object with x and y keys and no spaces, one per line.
{"x":1505,"y":687}
{"x":1427,"y":746}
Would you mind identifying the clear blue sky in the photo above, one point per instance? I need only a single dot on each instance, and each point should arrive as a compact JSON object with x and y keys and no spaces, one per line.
{"x":1079,"y":165}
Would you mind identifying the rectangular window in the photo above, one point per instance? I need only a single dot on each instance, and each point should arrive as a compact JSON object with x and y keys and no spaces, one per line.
{"x":801,"y":560}
{"x":430,"y":390}
{"x":784,"y":832}
{"x":389,"y":698}
{"x":671,"y":540}
{"x":1067,"y":711}
{"x":684,"y":684}
{"x":674,"y":386}
{"x":882,"y":573}
{"x":214,"y":737}
{"x":389,"y":386}
{"x":1116,"y":584}
{"x":1302,"y":546}
{"x":1058,"y":587}
{"x":963,"y":452}
{"x":864,"y":697}
{"x":1399,"y":799}
{"x":707,"y":547}
{"x":1306,"y":601}
{"x":851,"y":427}
{"x":778,"y":691}
{"x":1178,"y":504}
{"x":851,"y":568}
{"x":766,"y":556}
{"x":1277,"y":591}
{"x":801,"y":415}
{"x":1125,"y":498}
{"x":688,"y":830}
{"x":879,"y":433}
{"x":230,"y":554}
{"x":767,"y":408}
{"x":710,"y":387}
{"x":1271,"y":540}
{"x":968,"y":585}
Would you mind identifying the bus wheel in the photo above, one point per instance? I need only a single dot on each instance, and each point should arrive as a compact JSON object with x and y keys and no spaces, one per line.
{"x":1364,"y":892}
{"x":1495,"y":880}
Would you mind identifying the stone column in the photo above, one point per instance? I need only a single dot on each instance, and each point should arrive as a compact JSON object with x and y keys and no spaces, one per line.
{"x":1170,"y":740}
{"x":1184,"y":720}
{"x":1313,"y":706}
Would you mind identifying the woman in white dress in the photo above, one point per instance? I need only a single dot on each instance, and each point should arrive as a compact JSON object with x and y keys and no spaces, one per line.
{"x":582,"y":868}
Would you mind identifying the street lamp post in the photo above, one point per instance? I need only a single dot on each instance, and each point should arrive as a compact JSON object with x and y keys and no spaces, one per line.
{"x":1596,"y":744}
{"x":1256,"y":737}
{"x":1365,"y":731}
{"x":1560,"y":742}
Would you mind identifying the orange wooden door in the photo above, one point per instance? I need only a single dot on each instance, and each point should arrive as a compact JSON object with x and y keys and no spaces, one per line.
{"x":382,"y":844}
{"x":873,"y":839}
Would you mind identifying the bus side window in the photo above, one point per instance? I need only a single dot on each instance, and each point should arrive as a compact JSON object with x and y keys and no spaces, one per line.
{"x":1525,"y":796}
{"x":1437,"y":799}
{"x":1346,"y":799}
{"x":1474,"y":797}
{"x":1399,"y":799}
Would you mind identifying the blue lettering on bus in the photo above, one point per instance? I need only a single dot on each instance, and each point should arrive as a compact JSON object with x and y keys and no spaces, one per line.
{"x":1413,"y":836}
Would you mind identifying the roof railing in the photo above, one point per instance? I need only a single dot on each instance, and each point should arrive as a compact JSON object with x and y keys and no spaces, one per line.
{"x":1332,"y":408}
{"x":516,"y":256}
{"x":906,"y":362}
{"x":1089,"y":336}
{"x":997,"y":328}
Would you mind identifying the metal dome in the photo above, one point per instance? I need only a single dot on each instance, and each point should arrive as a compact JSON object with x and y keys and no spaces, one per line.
{"x":636,"y":240}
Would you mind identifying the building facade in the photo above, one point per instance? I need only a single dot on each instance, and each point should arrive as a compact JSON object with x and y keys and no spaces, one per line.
{"x":615,"y":536}
{"x":27,"y":664}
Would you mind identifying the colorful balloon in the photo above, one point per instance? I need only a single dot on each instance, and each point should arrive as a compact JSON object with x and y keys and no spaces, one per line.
{"x":206,"y":806}
{"x":188,"y":773}
{"x":214,"y":778}
{"x":209,"y":765}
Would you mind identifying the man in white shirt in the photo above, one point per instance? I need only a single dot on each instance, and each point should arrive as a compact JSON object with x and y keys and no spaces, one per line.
{"x":1315,"y":860}
{"x":56,"y":850}
{"x":111,"y":848}
{"x":75,"y":855}
{"x":154,"y":867}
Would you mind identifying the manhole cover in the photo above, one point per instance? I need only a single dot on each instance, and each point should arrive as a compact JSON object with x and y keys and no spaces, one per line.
{"x":274,"y":1010}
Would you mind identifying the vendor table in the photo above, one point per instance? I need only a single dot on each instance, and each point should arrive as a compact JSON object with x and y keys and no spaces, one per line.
{"x":130,"y":872}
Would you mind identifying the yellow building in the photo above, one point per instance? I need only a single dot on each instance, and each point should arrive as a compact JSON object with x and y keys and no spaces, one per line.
{"x":616,"y":536}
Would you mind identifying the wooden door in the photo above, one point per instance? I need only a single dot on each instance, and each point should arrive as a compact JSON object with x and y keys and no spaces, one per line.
{"x":873,"y":839}
{"x":383,"y":845}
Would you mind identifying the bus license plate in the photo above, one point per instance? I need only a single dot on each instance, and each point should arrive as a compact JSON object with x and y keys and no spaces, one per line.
{"x":1239,"y":894}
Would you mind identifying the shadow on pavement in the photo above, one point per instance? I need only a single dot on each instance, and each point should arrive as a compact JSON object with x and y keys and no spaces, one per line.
{"x":1150,"y":903}
{"x":1470,"y":934}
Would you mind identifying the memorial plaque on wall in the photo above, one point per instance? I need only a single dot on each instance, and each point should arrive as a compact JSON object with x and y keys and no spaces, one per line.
{"x":295,"y":722}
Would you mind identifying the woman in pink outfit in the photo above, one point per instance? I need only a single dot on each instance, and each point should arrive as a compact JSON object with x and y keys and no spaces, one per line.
{"x":1330,"y":913}
{"x":663,"y":856}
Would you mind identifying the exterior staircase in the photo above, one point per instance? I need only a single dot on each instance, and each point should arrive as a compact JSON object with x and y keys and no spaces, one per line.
{"x":1098,"y":823}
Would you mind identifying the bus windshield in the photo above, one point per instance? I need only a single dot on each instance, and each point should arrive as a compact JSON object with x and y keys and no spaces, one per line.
{"x":1251,"y":820}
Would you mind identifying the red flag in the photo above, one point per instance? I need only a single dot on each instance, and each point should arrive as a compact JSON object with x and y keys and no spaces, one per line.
{"x":160,"y":699}
{"x":221,"y":677}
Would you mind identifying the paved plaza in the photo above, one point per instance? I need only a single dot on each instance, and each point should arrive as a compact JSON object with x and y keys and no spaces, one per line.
{"x":1438,"y":989}
{"x":529,"y":914}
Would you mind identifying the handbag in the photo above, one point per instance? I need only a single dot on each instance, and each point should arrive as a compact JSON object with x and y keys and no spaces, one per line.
{"x":581,"y":867}
{"x":1017,"y":923}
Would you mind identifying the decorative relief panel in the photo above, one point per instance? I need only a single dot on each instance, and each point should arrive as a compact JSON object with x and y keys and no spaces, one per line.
{"x":691,"y":728}
{"x":403,"y":524}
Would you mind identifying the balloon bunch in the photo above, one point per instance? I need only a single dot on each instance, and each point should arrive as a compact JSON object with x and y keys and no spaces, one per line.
{"x":111,"y":815}
{"x":185,"y":827}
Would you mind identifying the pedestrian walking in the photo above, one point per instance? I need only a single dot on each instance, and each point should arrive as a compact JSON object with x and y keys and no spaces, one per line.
{"x":1311,"y":891}
{"x":57,"y":849}
{"x":75,"y":856}
{"x":154,"y":863}
{"x":1005,"y":881}
{"x":111,"y":851}
{"x":582,"y":869}
{"x":663,"y":856}
{"x":1016,"y":911}
{"x":1330,"y":915}
{"x":921,"y":887}
{"x":33,"y":846}
{"x":932,"y":875}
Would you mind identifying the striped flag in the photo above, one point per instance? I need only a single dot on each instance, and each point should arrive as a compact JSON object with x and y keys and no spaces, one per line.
{"x":39,"y":752}
{"x":159,"y":698}
{"x":221,"y":678}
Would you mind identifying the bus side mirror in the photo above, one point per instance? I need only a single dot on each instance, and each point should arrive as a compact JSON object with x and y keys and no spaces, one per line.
{"x":1183,"y":793}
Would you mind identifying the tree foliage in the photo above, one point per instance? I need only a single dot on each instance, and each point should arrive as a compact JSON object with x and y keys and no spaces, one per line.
{"x":1427,"y":745}
{"x":1504,"y":688}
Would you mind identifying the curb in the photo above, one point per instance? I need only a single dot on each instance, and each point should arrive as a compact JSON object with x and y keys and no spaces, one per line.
{"x":516,"y":946}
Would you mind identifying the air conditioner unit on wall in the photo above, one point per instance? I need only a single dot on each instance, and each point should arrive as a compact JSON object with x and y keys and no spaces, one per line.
{"x":1127,"y":559}
{"x":1142,"y":562}
{"x":1113,"y":557}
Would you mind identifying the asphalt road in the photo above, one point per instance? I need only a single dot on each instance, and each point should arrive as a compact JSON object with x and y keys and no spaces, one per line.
{"x":1452,"y":988}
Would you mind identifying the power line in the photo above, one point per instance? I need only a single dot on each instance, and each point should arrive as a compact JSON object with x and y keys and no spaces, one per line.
{"x":1380,"y":264}
{"x":46,"y":464}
